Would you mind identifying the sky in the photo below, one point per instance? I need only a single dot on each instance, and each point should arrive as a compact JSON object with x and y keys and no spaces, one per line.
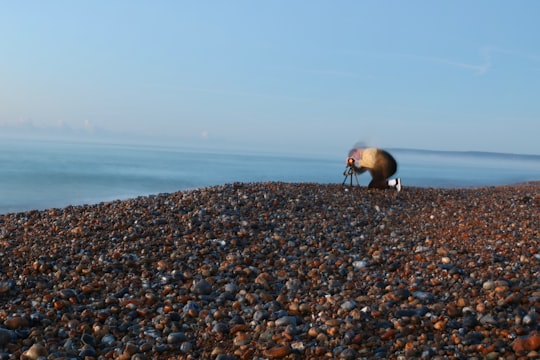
{"x":291,"y":76}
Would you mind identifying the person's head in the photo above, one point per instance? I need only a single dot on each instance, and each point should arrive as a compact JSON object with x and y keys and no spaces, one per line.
{"x":355,"y":154}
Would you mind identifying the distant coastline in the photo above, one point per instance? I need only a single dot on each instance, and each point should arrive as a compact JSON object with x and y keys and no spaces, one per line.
{"x":101,"y":137}
{"x":468,"y":153}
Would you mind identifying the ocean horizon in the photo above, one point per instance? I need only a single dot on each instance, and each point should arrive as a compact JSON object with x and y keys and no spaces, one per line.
{"x":37,"y":175}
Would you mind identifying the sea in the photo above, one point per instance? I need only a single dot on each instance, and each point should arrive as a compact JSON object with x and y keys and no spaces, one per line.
{"x":37,"y":175}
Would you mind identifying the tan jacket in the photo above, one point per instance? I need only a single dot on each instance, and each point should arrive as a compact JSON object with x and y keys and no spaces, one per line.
{"x":365,"y":157}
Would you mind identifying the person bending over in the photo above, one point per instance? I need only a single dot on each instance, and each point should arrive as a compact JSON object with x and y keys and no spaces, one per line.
{"x":380,"y":164}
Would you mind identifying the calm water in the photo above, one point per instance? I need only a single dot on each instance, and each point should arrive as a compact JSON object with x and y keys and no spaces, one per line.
{"x":41,"y":175}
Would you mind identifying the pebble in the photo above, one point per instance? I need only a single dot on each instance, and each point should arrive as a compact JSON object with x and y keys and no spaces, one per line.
{"x":348,"y":305}
{"x":286,"y":320}
{"x":35,"y":352}
{"x":6,"y":336}
{"x":277,"y":352}
{"x":202,"y":287}
{"x":527,"y":343}
{"x":16,"y":322}
{"x":488,"y":285}
{"x":176,"y":338}
{"x":276,"y":271}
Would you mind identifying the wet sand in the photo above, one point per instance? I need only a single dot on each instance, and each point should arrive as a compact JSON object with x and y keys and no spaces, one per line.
{"x":276,"y":271}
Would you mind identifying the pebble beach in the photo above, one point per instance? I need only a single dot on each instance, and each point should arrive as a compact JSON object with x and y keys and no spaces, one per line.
{"x":276,"y":271}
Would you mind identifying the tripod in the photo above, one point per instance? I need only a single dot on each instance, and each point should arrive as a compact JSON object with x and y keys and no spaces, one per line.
{"x":349,"y":171}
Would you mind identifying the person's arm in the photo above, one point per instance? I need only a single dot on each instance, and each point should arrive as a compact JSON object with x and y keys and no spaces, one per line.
{"x":359,"y":170}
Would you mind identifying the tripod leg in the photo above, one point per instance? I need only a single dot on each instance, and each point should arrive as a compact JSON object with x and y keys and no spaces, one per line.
{"x":349,"y":172}
{"x":356,"y":177}
{"x":346,"y":173}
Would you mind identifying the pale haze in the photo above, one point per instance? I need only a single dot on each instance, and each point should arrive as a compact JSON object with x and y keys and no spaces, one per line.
{"x":288,"y":76}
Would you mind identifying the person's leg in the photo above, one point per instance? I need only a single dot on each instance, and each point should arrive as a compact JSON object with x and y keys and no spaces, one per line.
{"x":386,"y":165}
{"x":396,"y":183}
{"x":378,"y":181}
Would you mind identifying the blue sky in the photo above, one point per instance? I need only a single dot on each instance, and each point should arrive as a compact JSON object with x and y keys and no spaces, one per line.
{"x":293,"y":76}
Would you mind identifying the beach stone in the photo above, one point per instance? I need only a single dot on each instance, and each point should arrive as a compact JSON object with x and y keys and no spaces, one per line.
{"x":348,"y":354}
{"x":231,"y":288}
{"x":266,"y":336}
{"x":35,"y":352}
{"x":470,"y":321}
{"x":130,"y":349}
{"x":260,"y":315}
{"x":202,"y":287}
{"x":16,"y":322}
{"x":405,"y":313}
{"x":488,"y":320}
{"x":277,"y":352}
{"x":528,"y":343}
{"x":88,"y":339}
{"x":492,"y":356}
{"x":286,"y":320}
{"x":424,"y":296}
{"x":488,"y":285}
{"x":67,"y":293}
{"x":452,"y":310}
{"x":225,"y":357}
{"x":108,"y":339}
{"x":176,"y":338}
{"x":348,"y":305}
{"x":191,"y":308}
{"x":186,"y":347}
{"x":530,"y":319}
{"x":360,"y":264}
{"x":220,"y":328}
{"x":87,"y":351}
{"x":446,"y":260}
{"x":6,"y":336}
{"x":146,"y":347}
{"x":473,"y":338}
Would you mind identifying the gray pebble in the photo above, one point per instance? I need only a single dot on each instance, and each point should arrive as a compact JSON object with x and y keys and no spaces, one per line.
{"x":175,"y":338}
